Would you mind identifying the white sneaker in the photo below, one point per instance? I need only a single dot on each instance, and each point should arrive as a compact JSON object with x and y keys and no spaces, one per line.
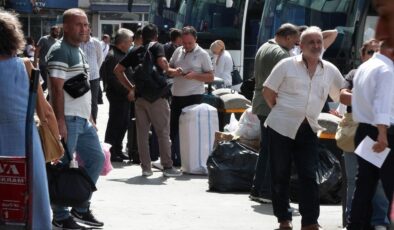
{"x":147,"y":173}
{"x":380,"y":227}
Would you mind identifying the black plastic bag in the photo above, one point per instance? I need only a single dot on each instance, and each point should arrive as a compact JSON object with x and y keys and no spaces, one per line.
{"x":231,"y":167}
{"x":329,"y":178}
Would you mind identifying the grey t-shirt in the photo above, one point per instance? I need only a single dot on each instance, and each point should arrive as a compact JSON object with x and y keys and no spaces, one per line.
{"x":45,"y":43}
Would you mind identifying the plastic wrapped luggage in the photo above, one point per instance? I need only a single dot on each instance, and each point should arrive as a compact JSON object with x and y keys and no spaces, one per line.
{"x":222,"y":91}
{"x":232,"y":103}
{"x":197,"y":127}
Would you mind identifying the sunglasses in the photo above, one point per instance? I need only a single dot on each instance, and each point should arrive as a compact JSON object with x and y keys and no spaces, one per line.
{"x":370,"y":52}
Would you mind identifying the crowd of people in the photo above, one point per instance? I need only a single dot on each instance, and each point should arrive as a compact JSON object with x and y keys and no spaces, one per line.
{"x":292,"y":84}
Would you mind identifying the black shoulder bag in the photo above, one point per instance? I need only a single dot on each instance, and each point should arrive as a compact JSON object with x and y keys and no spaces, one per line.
{"x":78,"y":85}
{"x":70,"y":187}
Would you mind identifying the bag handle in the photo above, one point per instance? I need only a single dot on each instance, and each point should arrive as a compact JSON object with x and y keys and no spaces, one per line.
{"x":66,"y":152}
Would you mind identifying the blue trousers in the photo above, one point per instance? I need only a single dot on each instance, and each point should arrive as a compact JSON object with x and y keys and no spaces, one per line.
{"x":82,"y":138}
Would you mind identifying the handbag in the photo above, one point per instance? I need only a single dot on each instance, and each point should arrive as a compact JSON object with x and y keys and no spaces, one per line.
{"x":235,"y":76}
{"x":47,"y":126}
{"x":69,"y":186}
{"x":78,"y":85}
{"x":345,"y":133}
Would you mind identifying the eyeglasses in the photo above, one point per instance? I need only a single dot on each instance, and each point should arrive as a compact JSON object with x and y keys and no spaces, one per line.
{"x":370,"y":52}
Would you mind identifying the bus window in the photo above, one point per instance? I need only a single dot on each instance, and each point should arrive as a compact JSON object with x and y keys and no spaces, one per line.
{"x":213,"y":20}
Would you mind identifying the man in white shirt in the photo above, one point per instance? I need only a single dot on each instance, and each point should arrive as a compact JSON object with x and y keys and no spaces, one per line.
{"x":373,"y":108}
{"x":188,"y":87}
{"x":296,"y":91}
{"x":94,"y":54}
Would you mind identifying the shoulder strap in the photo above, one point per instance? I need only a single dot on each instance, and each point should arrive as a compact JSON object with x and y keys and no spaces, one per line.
{"x":83,"y":61}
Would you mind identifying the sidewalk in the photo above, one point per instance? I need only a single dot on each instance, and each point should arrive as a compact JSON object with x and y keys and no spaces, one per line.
{"x":125,"y":200}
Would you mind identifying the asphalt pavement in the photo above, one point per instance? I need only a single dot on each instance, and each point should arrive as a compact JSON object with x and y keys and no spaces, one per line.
{"x":126,"y":200}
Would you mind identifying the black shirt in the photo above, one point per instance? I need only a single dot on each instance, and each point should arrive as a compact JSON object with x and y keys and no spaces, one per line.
{"x":136,"y":55}
{"x":169,"y":49}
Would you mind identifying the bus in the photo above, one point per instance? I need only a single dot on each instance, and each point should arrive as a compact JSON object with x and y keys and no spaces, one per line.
{"x":163,"y":13}
{"x":354,"y":20}
{"x":236,"y":22}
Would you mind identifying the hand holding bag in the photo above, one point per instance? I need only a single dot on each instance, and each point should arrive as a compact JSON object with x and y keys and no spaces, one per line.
{"x":345,"y":133}
{"x":78,"y":85}
{"x":69,"y":186}
{"x":47,"y":127}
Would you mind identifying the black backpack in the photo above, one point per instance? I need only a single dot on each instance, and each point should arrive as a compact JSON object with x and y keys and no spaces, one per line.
{"x":150,"y":83}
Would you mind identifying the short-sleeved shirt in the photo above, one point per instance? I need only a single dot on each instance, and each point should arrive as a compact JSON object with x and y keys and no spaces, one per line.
{"x":45,"y":43}
{"x":136,"y":55}
{"x":66,"y":61}
{"x":268,"y":55}
{"x":300,"y":96}
{"x":198,"y":61}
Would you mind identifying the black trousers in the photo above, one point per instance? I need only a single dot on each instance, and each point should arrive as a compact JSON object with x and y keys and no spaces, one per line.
{"x":118,"y":122}
{"x":261,"y":186}
{"x":303,"y":150}
{"x":367,"y":179}
{"x":177,"y":104}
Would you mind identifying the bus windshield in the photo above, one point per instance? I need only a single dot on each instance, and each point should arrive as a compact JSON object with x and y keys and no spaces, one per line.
{"x":326,"y":14}
{"x":213,"y":20}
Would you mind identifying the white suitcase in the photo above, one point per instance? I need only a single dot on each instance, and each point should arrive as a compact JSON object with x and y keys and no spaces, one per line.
{"x":197,"y":127}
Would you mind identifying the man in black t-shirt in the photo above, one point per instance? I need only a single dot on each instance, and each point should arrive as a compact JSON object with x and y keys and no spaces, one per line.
{"x":176,"y":41}
{"x":156,"y":113}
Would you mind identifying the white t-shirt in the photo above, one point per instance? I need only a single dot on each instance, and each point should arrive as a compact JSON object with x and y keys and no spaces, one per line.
{"x":198,"y":61}
{"x":224,"y":67}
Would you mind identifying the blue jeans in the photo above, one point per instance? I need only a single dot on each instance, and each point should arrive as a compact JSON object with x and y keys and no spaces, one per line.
{"x":379,"y":201}
{"x":82,"y":138}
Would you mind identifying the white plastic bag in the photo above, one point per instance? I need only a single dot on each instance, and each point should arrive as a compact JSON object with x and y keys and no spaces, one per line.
{"x":249,"y":126}
{"x":233,"y":125}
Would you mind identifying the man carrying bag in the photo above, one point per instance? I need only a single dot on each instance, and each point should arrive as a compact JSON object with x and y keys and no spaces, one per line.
{"x":65,"y":61}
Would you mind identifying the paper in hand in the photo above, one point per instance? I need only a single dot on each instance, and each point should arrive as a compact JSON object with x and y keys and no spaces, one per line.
{"x":364,"y":150}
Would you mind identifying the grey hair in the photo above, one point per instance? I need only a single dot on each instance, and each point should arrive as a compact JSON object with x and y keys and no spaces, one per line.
{"x":122,"y":35}
{"x":11,"y":35}
{"x":311,"y":30}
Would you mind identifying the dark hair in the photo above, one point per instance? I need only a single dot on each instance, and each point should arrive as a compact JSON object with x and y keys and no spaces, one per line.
{"x":11,"y":35}
{"x":29,"y":41}
{"x":54,"y":28}
{"x":287,"y":29}
{"x":138,"y":33}
{"x":149,"y":33}
{"x":174,"y":34}
{"x":189,"y":30}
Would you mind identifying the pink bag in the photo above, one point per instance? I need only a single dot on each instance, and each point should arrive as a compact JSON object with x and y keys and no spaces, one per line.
{"x":107,"y":167}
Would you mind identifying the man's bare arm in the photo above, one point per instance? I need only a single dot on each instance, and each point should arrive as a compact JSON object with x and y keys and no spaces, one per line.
{"x":57,"y":97}
{"x":269,"y":96}
{"x":346,"y":97}
{"x":204,"y":77}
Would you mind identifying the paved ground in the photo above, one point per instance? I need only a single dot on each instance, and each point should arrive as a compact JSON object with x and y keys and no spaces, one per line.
{"x":126,"y":200}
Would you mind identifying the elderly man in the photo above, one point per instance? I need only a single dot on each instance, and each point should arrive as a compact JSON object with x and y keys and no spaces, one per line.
{"x":66,"y":60}
{"x":296,"y":91}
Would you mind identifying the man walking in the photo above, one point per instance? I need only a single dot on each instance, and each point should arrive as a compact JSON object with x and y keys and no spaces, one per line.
{"x":42,"y":48}
{"x":66,"y":60}
{"x":296,"y":91}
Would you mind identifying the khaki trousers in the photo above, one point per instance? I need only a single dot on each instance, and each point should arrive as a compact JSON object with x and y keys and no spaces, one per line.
{"x":158,"y":115}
